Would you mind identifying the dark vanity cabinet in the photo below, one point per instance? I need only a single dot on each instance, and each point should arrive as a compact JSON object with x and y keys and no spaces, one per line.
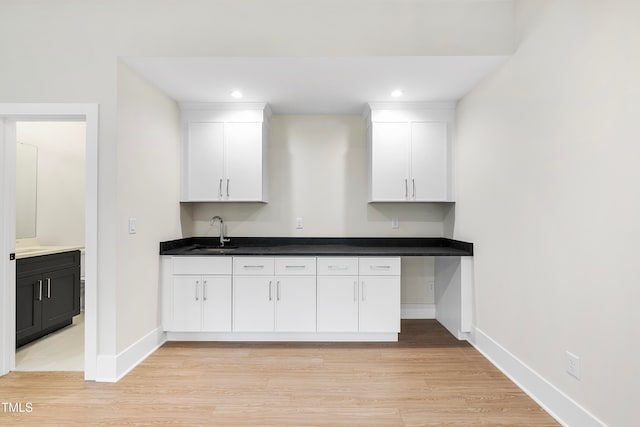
{"x":47,"y":294}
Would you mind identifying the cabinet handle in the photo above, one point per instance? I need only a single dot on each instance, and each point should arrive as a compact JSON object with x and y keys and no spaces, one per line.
{"x":413,"y":182}
{"x":406,"y":189}
{"x":253,"y":266}
{"x":196,"y":289}
{"x":294,"y":266}
{"x":278,"y":290}
{"x":227,"y":188}
{"x":40,"y":292}
{"x":338,"y":267}
{"x":379,"y":267}
{"x":355,"y":291}
{"x":364,"y":288}
{"x":270,"y":297}
{"x":204,"y":290}
{"x":220,"y":189}
{"x":49,"y":287}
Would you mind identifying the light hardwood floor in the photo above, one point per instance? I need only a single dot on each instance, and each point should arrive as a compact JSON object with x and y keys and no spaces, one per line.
{"x":427,"y":378}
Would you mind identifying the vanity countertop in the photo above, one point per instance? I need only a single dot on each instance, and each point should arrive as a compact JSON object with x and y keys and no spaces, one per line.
{"x":32,"y":251}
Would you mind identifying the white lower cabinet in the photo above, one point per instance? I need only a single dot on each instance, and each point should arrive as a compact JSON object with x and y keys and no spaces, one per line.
{"x":379,"y":294}
{"x":367,"y":301}
{"x":338,"y":303}
{"x":379,"y":304}
{"x":200,"y":295}
{"x":201,"y":304}
{"x":253,"y":306}
{"x":282,"y":302}
{"x":325,"y":297}
{"x":295,"y":304}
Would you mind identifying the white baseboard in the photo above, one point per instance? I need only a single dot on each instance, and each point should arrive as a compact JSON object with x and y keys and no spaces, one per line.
{"x":113,"y":368}
{"x":418,"y":311}
{"x":560,"y":406}
{"x":284,"y":336}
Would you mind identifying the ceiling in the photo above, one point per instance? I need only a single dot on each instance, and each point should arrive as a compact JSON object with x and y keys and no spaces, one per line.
{"x":315,"y":85}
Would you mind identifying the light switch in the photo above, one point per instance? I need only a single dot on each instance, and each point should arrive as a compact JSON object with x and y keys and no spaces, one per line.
{"x":132,"y":226}
{"x":299,"y":223}
{"x":395,"y":223}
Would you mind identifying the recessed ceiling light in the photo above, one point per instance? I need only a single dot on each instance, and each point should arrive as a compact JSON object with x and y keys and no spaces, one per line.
{"x":396,"y":93}
{"x":236,"y":94}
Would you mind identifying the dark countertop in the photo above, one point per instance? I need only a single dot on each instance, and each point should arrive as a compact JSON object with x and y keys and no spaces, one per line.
{"x":318,"y":246}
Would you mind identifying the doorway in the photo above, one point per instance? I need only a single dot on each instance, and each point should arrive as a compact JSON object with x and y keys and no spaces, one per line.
{"x":10,"y":114}
{"x":50,"y":200}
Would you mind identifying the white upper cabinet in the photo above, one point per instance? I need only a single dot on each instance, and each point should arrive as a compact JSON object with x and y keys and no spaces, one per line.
{"x":410,"y":153}
{"x":224,"y":153}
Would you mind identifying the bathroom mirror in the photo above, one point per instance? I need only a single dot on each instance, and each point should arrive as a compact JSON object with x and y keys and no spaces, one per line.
{"x":26,"y":190}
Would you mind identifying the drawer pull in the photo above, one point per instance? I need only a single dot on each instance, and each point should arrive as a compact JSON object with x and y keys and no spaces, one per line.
{"x":295,"y":266}
{"x":380,"y":267}
{"x":337,"y":267}
{"x":258,"y":267}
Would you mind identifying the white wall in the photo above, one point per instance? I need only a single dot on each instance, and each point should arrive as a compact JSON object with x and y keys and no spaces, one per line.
{"x":60,"y":180}
{"x":317,"y":167}
{"x":548,"y":192}
{"x":66,"y":51}
{"x":148,"y":189}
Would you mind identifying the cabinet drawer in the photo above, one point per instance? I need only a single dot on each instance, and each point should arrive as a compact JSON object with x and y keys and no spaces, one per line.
{"x":201,"y":265}
{"x":253,"y":266}
{"x":379,"y":266}
{"x":296,"y":266}
{"x":337,"y":266}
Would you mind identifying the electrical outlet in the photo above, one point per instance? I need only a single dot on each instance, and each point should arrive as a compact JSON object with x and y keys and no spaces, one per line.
{"x":299,"y":223}
{"x":573,"y":365}
{"x":395,"y":223}
{"x":430,"y":286}
{"x":132,"y":225}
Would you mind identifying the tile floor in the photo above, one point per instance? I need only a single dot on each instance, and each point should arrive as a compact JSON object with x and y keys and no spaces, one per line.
{"x":62,"y":350}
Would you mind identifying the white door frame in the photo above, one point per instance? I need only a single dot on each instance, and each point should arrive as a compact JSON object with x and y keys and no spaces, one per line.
{"x":50,"y":112}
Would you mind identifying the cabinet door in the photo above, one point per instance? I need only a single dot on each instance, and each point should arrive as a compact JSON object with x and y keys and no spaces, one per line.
{"x":379,"y":304}
{"x":338,"y":304}
{"x":216,"y":303}
{"x":203,"y":171}
{"x":253,"y":304}
{"x":28,"y":306}
{"x":186,"y":315}
{"x":389,"y":161}
{"x":429,"y":161}
{"x":243,"y":158}
{"x":295,"y":304}
{"x":61,"y":300}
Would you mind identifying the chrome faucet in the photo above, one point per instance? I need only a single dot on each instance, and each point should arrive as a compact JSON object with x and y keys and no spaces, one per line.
{"x":222,"y":239}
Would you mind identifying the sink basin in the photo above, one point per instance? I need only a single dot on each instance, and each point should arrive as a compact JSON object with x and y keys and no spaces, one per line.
{"x":211,"y":250}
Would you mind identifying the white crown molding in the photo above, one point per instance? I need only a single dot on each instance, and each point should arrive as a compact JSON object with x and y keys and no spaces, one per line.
{"x":224,"y":106}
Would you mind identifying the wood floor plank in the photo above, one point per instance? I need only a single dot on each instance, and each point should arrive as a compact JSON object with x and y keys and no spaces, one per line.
{"x":428,"y":378}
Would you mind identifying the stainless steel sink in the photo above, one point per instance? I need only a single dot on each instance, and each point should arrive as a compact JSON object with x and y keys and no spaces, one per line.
{"x":213,"y":250}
